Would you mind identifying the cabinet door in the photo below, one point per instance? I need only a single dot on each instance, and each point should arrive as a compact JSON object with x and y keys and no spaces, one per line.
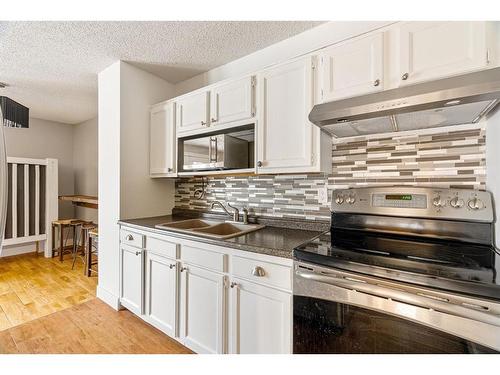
{"x":430,"y":50}
{"x":131,"y":278}
{"x":353,"y":68}
{"x":161,"y":293}
{"x":162,"y":141}
{"x":233,"y":101}
{"x":285,"y":135}
{"x":261,"y":319}
{"x":192,"y":111}
{"x":202,"y":305}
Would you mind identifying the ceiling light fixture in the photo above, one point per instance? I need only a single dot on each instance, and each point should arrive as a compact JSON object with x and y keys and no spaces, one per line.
{"x":15,"y":115}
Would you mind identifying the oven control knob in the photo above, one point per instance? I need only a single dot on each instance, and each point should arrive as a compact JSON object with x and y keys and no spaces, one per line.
{"x":339,"y":199}
{"x":351,"y":199}
{"x":438,"y":202}
{"x":456,"y":202}
{"x":475,"y":204}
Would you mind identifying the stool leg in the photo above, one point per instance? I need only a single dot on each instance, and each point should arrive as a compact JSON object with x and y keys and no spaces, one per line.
{"x":75,"y":246}
{"x":88,"y":257}
{"x":61,"y":245}
{"x":53,"y":246}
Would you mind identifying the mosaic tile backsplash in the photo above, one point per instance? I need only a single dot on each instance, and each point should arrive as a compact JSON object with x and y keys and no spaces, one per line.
{"x":454,"y":159}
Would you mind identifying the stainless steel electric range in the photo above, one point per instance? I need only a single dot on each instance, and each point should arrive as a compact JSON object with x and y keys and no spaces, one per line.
{"x":402,"y":270}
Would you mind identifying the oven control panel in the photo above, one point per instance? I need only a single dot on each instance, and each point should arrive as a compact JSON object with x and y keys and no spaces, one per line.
{"x":454,"y":204}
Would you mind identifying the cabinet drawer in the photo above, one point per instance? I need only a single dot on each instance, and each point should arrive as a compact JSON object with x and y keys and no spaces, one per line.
{"x":204,"y":258}
{"x":262,"y":272}
{"x":161,"y":247}
{"x":131,"y":238}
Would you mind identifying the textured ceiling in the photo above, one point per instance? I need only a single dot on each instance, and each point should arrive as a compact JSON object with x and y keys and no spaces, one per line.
{"x":52,"y":67}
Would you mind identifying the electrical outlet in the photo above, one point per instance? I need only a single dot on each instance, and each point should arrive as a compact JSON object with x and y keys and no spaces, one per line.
{"x":323,"y":195}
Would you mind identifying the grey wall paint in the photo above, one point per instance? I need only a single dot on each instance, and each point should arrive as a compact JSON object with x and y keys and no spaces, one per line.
{"x":47,"y":139}
{"x":85,"y":165}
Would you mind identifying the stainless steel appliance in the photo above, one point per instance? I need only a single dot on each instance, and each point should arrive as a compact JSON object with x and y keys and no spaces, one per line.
{"x":402,"y":270}
{"x":3,"y":181}
{"x":221,"y":151}
{"x":451,"y":101}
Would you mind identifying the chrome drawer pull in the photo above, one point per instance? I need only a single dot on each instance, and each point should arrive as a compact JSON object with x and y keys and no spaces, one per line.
{"x":258,"y":271}
{"x":171,"y":266}
{"x":129,"y":237}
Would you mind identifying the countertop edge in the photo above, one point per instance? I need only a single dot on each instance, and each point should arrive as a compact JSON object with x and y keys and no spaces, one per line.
{"x":281,"y":253}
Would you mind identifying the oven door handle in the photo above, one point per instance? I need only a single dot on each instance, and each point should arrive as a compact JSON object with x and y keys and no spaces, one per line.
{"x":401,"y":296}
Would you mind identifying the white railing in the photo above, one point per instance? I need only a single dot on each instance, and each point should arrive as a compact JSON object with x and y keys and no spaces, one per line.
{"x":32,"y":202}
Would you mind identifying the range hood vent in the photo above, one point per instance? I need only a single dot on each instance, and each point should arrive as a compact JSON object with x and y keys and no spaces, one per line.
{"x":451,"y":101}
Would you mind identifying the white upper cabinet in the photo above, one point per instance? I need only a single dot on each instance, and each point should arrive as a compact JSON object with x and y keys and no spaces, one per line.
{"x":192,"y":111}
{"x":432,"y":50}
{"x":202,"y":306}
{"x":287,"y":141}
{"x":161,"y":293}
{"x":261,"y":319}
{"x":352,"y":68}
{"x":232,"y":101}
{"x":162,"y":146}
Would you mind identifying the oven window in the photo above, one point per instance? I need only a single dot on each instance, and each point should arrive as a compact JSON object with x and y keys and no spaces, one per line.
{"x":330,"y":327}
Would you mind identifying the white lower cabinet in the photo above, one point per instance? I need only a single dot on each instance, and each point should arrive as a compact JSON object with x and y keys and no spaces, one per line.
{"x":131,"y":278}
{"x":260,"y":319}
{"x":207,"y":297}
{"x":202,"y":305}
{"x":161,"y":293}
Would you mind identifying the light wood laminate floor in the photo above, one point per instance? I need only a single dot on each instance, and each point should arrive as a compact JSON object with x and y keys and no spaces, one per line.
{"x":88,"y":328}
{"x":32,"y":286}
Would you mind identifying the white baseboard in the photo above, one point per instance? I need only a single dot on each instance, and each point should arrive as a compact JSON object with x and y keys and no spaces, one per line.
{"x":109,"y":298}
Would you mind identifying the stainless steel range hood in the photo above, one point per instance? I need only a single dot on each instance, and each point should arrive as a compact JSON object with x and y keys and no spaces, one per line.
{"x":451,"y":101}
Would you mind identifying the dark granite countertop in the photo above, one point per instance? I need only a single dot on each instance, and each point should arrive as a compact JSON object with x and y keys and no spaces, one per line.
{"x":270,"y":240}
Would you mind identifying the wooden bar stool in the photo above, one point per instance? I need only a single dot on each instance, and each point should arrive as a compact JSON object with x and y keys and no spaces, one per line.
{"x":61,"y":225}
{"x":92,"y":249}
{"x":84,"y":239}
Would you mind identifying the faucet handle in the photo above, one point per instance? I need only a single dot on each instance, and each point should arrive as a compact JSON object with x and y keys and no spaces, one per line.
{"x":245,"y":215}
{"x":236,"y":213}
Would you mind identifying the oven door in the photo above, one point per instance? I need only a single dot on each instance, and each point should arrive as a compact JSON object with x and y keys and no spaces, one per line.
{"x":340,"y":312}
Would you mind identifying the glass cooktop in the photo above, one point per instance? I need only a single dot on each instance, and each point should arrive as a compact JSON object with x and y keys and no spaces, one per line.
{"x":449,"y":265}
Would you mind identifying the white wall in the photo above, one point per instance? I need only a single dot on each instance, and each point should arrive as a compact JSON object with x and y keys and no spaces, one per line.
{"x":125,"y":189}
{"x":301,"y":44}
{"x":47,"y":139}
{"x":140,"y":194}
{"x":85,"y":165}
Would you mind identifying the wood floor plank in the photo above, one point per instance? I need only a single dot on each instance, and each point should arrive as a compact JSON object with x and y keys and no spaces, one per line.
{"x":88,"y":328}
{"x":32,"y":286}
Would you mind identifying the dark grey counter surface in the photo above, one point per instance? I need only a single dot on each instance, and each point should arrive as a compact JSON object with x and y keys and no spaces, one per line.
{"x":271,"y":240}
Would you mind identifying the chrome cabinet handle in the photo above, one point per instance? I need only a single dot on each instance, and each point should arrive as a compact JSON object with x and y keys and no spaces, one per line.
{"x":376,"y":82}
{"x":171,"y":266}
{"x":259,"y":164}
{"x":170,"y":169}
{"x":214,"y":119}
{"x":137,"y":253}
{"x":233,"y":284}
{"x":258,"y":271}
{"x":183,"y":269}
{"x":129,"y":237}
{"x":405,"y":76}
{"x":203,"y":123}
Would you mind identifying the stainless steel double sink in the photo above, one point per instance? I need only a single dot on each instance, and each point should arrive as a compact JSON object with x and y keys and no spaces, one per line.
{"x":210,"y":228}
